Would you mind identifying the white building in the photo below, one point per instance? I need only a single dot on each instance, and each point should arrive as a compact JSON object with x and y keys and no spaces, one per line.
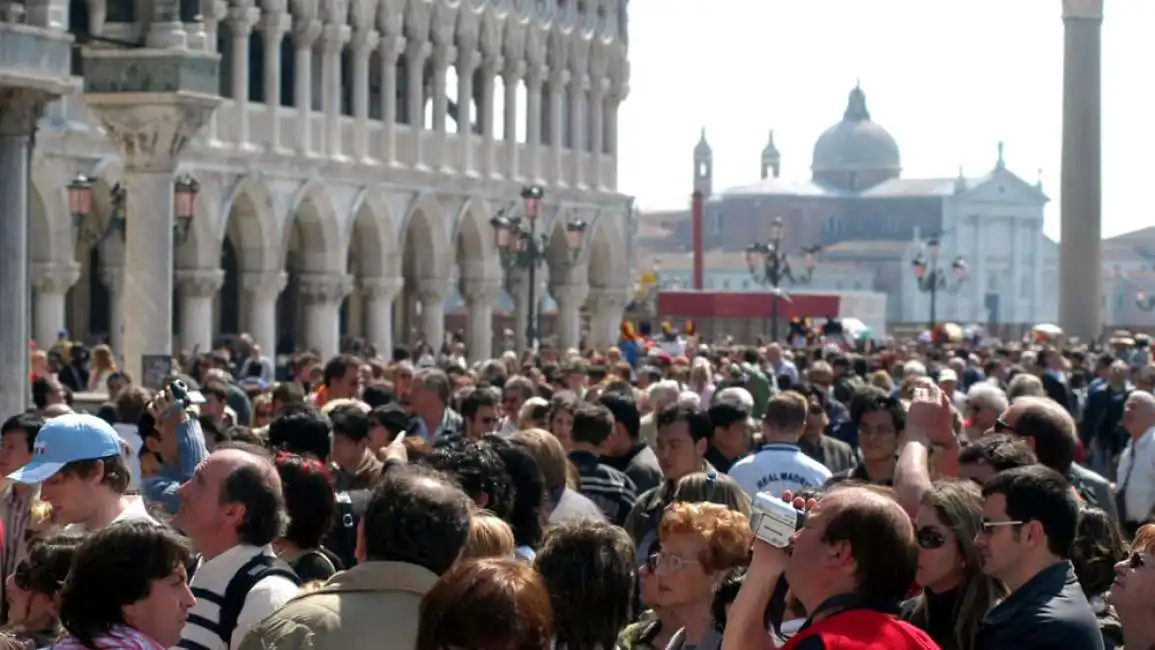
{"x":344,"y":188}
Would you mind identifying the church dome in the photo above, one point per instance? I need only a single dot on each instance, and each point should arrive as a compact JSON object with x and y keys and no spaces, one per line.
{"x":856,"y":144}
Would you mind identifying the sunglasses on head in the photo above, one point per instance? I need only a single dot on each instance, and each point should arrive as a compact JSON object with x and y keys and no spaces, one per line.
{"x":930,"y":538}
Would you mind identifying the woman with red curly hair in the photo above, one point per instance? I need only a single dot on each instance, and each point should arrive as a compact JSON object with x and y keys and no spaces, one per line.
{"x":311,"y":503}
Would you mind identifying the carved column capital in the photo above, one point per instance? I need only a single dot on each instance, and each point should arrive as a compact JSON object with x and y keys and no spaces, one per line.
{"x":365,"y":41}
{"x":608,"y":298}
{"x":200,"y":283}
{"x":384,"y":289}
{"x":305,"y":33}
{"x":443,"y":55}
{"x":264,"y":284}
{"x":20,"y":110}
{"x":334,"y":37}
{"x":481,"y":291}
{"x":432,"y":290}
{"x":242,"y":20}
{"x":54,"y":277}
{"x":467,"y":61}
{"x":274,"y":24}
{"x":326,"y":287}
{"x":570,"y":295}
{"x":392,"y":45}
{"x":1086,"y":9}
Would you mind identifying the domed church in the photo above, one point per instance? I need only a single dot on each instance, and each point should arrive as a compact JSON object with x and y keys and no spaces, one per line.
{"x":872,"y":222}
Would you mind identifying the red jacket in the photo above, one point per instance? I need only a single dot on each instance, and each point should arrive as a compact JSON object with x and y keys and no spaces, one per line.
{"x":861,"y":629}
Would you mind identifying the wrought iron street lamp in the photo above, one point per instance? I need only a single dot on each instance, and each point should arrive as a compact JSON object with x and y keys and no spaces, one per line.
{"x":185,"y":192}
{"x":1144,"y":301}
{"x":770,"y":267}
{"x":931,"y":279}
{"x":521,"y":247}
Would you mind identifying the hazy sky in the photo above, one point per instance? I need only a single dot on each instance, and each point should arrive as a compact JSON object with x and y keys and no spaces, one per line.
{"x":949,"y":79}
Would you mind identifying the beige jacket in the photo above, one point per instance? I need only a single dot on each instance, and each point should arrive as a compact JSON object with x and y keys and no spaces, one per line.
{"x":373,"y":605}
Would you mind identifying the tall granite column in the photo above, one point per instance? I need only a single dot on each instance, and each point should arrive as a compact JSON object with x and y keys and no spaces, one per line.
{"x":480,"y":297}
{"x":198,"y":288}
{"x":380,"y":295}
{"x":260,"y":290}
{"x":51,"y":280}
{"x":1080,"y":250}
{"x":151,"y":102}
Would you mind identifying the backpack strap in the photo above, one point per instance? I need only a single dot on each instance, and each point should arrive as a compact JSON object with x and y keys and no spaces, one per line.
{"x":258,"y":568}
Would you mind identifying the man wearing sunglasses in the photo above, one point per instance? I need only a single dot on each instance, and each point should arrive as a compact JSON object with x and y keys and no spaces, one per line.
{"x":1030,"y":519}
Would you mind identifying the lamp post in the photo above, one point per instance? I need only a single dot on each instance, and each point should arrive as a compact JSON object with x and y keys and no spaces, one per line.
{"x":931,"y":279}
{"x":185,"y":192}
{"x":1144,"y":301}
{"x":521,"y":247}
{"x":770,"y":267}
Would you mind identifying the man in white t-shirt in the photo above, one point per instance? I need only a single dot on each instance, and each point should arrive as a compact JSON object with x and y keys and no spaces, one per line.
{"x":79,"y":462}
{"x":780,"y":465}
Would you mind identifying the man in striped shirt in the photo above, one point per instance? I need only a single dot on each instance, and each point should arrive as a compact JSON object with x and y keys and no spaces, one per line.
{"x":609,"y":488}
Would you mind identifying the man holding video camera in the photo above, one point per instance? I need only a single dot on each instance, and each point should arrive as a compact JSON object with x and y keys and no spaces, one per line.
{"x":850,"y":565}
{"x":170,"y":432}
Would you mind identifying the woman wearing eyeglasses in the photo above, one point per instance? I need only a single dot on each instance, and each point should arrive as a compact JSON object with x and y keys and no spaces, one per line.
{"x":701,"y":543}
{"x":33,"y":589}
{"x":956,"y":595}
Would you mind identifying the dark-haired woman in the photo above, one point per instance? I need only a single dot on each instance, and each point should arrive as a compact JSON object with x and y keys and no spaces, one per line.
{"x":33,"y":589}
{"x":127,"y":590}
{"x":311,"y":503}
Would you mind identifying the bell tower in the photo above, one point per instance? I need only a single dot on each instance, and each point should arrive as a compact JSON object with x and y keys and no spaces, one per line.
{"x":771,"y":159}
{"x":703,"y":166}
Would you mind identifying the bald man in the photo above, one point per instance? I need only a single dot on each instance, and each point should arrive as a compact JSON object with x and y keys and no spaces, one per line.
{"x":1135,"y":496}
{"x":232,"y":509}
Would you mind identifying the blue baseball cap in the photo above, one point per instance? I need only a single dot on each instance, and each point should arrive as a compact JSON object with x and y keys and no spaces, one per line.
{"x":67,"y":439}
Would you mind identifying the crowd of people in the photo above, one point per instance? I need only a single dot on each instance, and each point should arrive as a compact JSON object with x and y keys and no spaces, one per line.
{"x":955,"y":496}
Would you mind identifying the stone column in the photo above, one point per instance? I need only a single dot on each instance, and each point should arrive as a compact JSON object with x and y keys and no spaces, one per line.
{"x":51,"y":280}
{"x":323,"y":294}
{"x":364,"y":41}
{"x":467,"y":62}
{"x":431,"y":292}
{"x":511,"y":76}
{"x":489,"y":69}
{"x":606,"y":306}
{"x":1080,"y":249}
{"x":167,"y":29}
{"x":579,"y":89}
{"x":416,"y":52}
{"x":19,"y":112}
{"x":558,"y":80}
{"x":112,"y":277}
{"x":198,"y":290}
{"x":215,"y":12}
{"x":305,"y":33}
{"x":274,"y":24}
{"x":151,"y":103}
{"x":480,"y":297}
{"x":391,"y":48}
{"x":598,"y":128}
{"x":260,"y":290}
{"x":442,"y":55}
{"x":570,"y":300}
{"x":380,"y":294}
{"x":333,"y":40}
{"x":533,"y":83}
{"x":241,"y":23}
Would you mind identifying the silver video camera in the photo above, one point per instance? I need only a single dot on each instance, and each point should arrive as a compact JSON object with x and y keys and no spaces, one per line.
{"x":774,"y":521}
